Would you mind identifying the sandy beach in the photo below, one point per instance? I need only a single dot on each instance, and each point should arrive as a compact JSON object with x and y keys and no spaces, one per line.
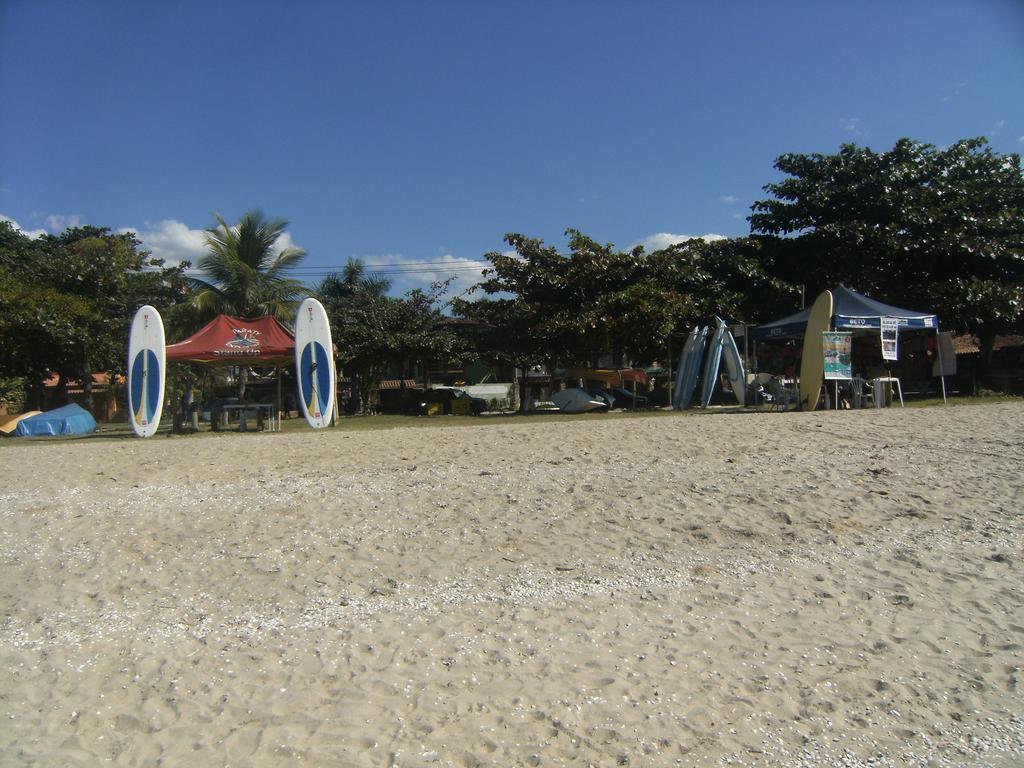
{"x":749,"y":589}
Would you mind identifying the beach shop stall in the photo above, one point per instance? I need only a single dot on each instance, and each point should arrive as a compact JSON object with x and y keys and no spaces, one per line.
{"x":876,"y":325}
{"x":245,"y":342}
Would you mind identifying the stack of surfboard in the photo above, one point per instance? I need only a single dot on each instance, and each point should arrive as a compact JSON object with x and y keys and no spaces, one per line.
{"x":722,"y":346}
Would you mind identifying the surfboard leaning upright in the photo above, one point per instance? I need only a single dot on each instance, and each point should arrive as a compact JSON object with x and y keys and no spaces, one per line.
{"x":315,"y":373}
{"x":147,"y":359}
{"x":812,"y":361}
{"x":712,"y":363}
{"x":734,"y":367}
{"x":684,"y":360}
{"x":692,"y":369}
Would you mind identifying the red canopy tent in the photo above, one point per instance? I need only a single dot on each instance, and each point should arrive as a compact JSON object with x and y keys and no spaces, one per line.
{"x":227,"y":340}
{"x":237,"y":341}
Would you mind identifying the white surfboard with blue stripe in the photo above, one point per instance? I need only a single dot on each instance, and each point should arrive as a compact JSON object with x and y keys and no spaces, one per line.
{"x":147,"y":361}
{"x":313,"y":363}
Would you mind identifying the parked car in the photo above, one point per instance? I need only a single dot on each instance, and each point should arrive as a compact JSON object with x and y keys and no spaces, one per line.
{"x":450,"y":400}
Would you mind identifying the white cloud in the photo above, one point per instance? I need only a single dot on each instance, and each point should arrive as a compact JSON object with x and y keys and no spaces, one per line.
{"x":406,"y":274}
{"x":32,"y":233}
{"x":175,"y":242}
{"x":1021,"y":139}
{"x":171,"y":240}
{"x":999,"y":125}
{"x":284,"y":241}
{"x":57,"y":222}
{"x":729,"y":199}
{"x":663,"y":240}
{"x":167,"y":239}
{"x":956,"y":89}
{"x":852,"y":125}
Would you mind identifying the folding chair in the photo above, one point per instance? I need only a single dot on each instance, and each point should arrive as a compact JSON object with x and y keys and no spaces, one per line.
{"x":781,"y":395}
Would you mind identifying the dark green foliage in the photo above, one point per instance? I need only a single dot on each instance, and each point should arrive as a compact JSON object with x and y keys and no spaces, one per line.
{"x":918,"y":226}
{"x":245,"y":275}
{"x":544,"y":306}
{"x":374,"y":332}
{"x":66,"y":301}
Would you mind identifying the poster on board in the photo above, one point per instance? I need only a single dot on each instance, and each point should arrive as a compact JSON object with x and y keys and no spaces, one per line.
{"x":838,"y":362}
{"x":890,"y":334}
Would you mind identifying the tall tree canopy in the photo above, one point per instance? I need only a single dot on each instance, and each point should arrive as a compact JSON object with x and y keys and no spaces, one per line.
{"x":929,"y":228}
{"x":374,"y":331}
{"x":544,"y":306}
{"x":66,"y":301}
{"x":246,"y":272}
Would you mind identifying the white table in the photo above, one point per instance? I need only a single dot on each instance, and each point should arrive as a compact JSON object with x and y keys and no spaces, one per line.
{"x":879,"y":395}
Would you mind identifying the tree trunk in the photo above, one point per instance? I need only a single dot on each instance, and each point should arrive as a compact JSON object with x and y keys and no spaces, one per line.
{"x":87,"y":384}
{"x":62,"y":388}
{"x":523,"y":386}
{"x":36,"y":395}
{"x":243,"y":378}
{"x":190,"y":412}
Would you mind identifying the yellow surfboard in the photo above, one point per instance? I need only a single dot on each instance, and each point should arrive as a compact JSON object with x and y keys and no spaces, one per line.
{"x":812,"y":363}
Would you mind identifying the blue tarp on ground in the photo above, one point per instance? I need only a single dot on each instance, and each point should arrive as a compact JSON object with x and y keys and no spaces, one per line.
{"x":68,"y":420}
{"x":850,"y":311}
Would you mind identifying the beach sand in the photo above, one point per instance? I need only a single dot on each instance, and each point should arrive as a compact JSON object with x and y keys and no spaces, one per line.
{"x":839,"y":588}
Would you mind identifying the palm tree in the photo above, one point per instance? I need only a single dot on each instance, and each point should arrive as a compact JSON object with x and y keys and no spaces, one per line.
{"x":246,"y":275}
{"x":336,"y":288}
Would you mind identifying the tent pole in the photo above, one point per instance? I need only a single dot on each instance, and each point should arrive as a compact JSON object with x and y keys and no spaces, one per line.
{"x":335,"y":414}
{"x":280,"y":402}
{"x":942,"y":368}
{"x":671,"y":381}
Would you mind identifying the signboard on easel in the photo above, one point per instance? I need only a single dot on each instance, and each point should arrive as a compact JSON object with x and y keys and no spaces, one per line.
{"x":838,"y":361}
{"x":945,"y":360}
{"x":890,"y":336}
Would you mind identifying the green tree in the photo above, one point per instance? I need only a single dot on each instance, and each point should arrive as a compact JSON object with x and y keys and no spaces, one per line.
{"x":572,"y":307}
{"x":546,"y":307}
{"x":375,"y":332}
{"x":542,"y":306}
{"x":732,"y":278}
{"x":246,"y":273}
{"x":66,"y":301}
{"x":337,"y":287}
{"x":360,"y":310}
{"x":924,"y":227}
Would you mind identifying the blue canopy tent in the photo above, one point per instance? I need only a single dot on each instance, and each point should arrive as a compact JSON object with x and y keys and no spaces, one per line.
{"x":851,"y":311}
{"x":67,"y":420}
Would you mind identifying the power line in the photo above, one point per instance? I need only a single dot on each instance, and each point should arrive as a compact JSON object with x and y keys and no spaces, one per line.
{"x":418,"y":270}
{"x":427,"y":266}
{"x":418,"y":262}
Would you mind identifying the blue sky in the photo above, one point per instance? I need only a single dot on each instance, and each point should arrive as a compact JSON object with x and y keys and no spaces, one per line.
{"x":420,"y":133}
